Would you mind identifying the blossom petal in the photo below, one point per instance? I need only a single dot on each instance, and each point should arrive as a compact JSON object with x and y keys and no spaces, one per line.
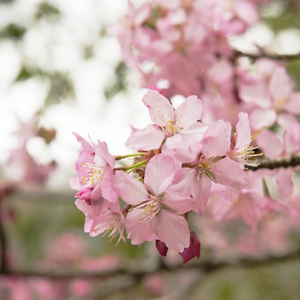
{"x":181,"y":150}
{"x":103,"y":154}
{"x":182,"y":181}
{"x":284,"y":182}
{"x":260,"y":118}
{"x":148,"y":138}
{"x":159,"y":173}
{"x":243,"y":131}
{"x":201,"y":191}
{"x":216,"y":140}
{"x":228,"y":172}
{"x":138,"y":231}
{"x":107,"y":190}
{"x":293,"y":104}
{"x":173,"y":230}
{"x":189,"y":111}
{"x":129,"y":189}
{"x":280,"y":85}
{"x":194,"y":131}
{"x":161,"y":110}
{"x":75,"y":183}
{"x":270,"y":143}
{"x":178,"y":203}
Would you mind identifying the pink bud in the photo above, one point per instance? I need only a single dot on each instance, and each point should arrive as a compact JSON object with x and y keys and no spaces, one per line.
{"x":161,"y":247}
{"x":193,"y":250}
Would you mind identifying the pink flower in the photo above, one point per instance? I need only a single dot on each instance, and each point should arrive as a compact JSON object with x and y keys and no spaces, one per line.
{"x":168,"y":122}
{"x":242,"y":152}
{"x":95,"y":166}
{"x":156,"y":210}
{"x":110,"y":221}
{"x":206,"y":162}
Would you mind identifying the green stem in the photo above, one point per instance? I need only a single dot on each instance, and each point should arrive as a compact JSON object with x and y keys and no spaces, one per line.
{"x":130,"y":155}
{"x":140,"y":164}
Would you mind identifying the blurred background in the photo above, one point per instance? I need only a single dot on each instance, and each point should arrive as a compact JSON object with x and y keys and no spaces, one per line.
{"x":61,"y":72}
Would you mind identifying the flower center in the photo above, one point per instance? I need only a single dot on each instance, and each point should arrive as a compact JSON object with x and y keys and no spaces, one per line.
{"x":170,"y":128}
{"x":111,"y":227}
{"x":150,"y":209}
{"x":95,"y":173}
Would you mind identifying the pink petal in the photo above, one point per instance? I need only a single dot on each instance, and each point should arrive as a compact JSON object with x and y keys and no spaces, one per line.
{"x":75,"y":183}
{"x":84,"y":143}
{"x":107,"y":190}
{"x":161,"y":110}
{"x":102,"y":154}
{"x":142,"y":13}
{"x":148,"y":138}
{"x":228,"y":172}
{"x":182,"y":181}
{"x":216,"y":140}
{"x":181,"y":150}
{"x":159,"y":173}
{"x":138,"y":231}
{"x":98,"y":203}
{"x":130,"y":189}
{"x":193,"y":131}
{"x":280,"y":85}
{"x":230,"y":193}
{"x":260,"y":118}
{"x":189,"y":111}
{"x":293,"y":104}
{"x":201,"y":191}
{"x":243,"y":131}
{"x":173,"y":230}
{"x":178,"y":203}
{"x":284,"y":182}
{"x":270,"y":143}
{"x":256,"y":93}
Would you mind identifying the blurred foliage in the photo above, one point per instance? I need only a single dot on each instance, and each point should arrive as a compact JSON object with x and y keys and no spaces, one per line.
{"x":6,"y":1}
{"x":12,"y":31}
{"x":283,"y":14}
{"x":48,"y":11}
{"x":293,"y":68}
{"x":28,"y":72}
{"x":119,"y":85}
{"x":276,"y":282}
{"x":61,"y":88}
{"x":40,"y":218}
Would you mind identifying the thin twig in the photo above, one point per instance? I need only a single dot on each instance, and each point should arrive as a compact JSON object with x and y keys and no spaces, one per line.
{"x":206,"y":267}
{"x":266,"y":55}
{"x":292,"y":161}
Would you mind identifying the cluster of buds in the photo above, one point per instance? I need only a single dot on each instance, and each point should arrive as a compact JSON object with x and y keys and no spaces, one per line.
{"x":176,"y":162}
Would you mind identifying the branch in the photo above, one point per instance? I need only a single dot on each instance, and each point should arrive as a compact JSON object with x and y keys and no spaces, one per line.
{"x":206,"y":267}
{"x":292,"y":161}
{"x":3,"y":265}
{"x":266,"y":55}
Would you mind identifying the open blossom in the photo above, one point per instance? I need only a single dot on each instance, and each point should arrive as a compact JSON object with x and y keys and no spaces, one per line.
{"x":242,"y":152}
{"x":95,"y":168}
{"x":155,"y":209}
{"x":206,"y":162}
{"x":110,"y":222}
{"x":168,"y":122}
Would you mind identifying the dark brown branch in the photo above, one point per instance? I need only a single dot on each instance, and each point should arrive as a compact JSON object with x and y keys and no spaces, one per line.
{"x":266,"y":55}
{"x":206,"y":267}
{"x":3,"y":265}
{"x":267,"y":163}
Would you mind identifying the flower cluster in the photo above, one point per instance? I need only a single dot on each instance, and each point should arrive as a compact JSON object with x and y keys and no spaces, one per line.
{"x":178,"y":162}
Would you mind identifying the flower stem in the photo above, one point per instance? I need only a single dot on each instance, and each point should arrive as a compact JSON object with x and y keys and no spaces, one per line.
{"x":130,"y":155}
{"x":140,"y":164}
